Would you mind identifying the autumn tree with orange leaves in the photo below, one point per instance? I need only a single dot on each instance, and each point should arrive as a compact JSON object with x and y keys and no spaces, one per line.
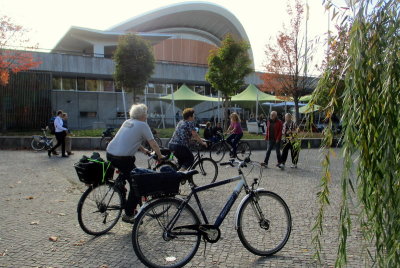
{"x":14,"y":61}
{"x":286,"y":60}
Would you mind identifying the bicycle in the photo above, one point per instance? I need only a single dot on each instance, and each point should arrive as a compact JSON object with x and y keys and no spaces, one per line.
{"x":218,"y":149}
{"x":100,"y":206}
{"x":41,"y":142}
{"x":208,"y":168}
{"x":177,"y":229}
{"x":106,"y":137}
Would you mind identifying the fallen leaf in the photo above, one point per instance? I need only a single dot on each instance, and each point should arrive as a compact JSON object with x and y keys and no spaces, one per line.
{"x":53,"y":238}
{"x":104,"y":266}
{"x":61,"y":214}
{"x":34,"y":223}
{"x":3,"y":253}
{"x":53,"y":249}
{"x":29,"y":197}
{"x":79,"y":243}
{"x":18,"y":182}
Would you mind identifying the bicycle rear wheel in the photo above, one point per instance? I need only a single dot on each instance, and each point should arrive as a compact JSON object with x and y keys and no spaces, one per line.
{"x":217,"y":151}
{"x":243,"y":150}
{"x":264,"y":223}
{"x":208,"y":172}
{"x":37,"y":145}
{"x":157,"y":247}
{"x":99,"y":209}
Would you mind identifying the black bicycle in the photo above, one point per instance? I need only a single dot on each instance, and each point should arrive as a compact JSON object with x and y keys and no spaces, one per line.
{"x":220,"y":148}
{"x":207,"y":167}
{"x":263,"y":223}
{"x":106,"y":137}
{"x":41,"y":142}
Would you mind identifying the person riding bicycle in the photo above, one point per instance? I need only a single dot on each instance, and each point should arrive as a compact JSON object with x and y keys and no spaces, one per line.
{"x":235,"y":131}
{"x":121,"y":151}
{"x":179,"y":144}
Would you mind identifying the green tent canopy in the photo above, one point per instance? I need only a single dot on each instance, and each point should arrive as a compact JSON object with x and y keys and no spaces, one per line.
{"x":305,"y":98}
{"x":249,"y":96}
{"x":308,"y":109}
{"x":184,"y":97}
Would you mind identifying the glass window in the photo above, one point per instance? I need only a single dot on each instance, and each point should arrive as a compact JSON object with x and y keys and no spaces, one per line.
{"x":81,"y":83}
{"x":88,"y":114}
{"x":159,"y":89}
{"x":108,"y":85}
{"x":200,"y":90}
{"x":91,"y":85}
{"x":56,"y":82}
{"x":150,"y":88}
{"x":68,"y":83}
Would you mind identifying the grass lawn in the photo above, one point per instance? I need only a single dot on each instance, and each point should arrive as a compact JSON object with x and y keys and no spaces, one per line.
{"x":162,"y":133}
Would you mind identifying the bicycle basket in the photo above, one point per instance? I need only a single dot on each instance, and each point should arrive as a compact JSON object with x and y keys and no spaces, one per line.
{"x":94,"y":172}
{"x":157,"y":184}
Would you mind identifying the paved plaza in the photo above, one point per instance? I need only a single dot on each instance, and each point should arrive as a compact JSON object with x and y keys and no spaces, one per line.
{"x":39,"y":226}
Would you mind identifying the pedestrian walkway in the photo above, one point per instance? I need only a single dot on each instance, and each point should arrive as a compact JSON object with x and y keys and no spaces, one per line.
{"x":39,"y":227}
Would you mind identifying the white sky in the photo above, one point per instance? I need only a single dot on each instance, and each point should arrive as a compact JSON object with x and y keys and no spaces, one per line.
{"x":48,"y":20}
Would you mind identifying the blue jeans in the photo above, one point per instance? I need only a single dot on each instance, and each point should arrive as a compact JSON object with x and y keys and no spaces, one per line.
{"x":272,"y":145}
{"x":183,"y":154}
{"x":233,"y":140}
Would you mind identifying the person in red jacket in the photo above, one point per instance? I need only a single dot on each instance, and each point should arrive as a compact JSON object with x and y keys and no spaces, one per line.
{"x":273,"y":135}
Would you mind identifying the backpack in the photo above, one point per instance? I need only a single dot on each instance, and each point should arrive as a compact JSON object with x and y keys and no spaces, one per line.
{"x":51,"y":126}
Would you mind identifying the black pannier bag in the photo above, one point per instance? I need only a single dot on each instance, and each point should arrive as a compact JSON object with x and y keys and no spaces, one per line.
{"x":152,"y":183}
{"x":94,"y":170}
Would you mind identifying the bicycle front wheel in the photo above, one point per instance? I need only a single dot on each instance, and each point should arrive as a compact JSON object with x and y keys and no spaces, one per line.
{"x":99,"y":209}
{"x":37,"y":145}
{"x":157,"y":244}
{"x":208,"y":172}
{"x":217,"y":151}
{"x":264,"y":223}
{"x":243,"y":150}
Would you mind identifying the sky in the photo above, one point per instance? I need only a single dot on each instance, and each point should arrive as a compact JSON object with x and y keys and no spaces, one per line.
{"x":49,"y":20}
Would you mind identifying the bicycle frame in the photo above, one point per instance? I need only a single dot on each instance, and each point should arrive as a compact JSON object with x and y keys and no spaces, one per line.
{"x":225,"y":210}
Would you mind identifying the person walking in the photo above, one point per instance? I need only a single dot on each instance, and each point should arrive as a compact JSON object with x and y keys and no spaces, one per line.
{"x":184,"y":132}
{"x":68,"y":139}
{"x":236,"y":133}
{"x":273,"y":135}
{"x":122,"y":148}
{"x":60,"y":133}
{"x":289,"y":132}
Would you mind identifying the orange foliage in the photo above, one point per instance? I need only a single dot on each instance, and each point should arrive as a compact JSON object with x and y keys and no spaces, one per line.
{"x":13,"y":60}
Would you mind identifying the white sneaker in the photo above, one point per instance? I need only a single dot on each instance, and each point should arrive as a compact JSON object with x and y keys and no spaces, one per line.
{"x":281,"y":166}
{"x":293,"y":166}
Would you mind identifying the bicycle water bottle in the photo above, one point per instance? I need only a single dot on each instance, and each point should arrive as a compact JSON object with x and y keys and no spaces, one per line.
{"x":171,"y":156}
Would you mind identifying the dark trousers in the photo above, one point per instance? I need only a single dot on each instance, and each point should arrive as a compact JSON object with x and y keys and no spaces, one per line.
{"x":271,"y":146}
{"x":233,"y":141}
{"x":183,"y":154}
{"x":125,"y":164}
{"x":288,"y":145}
{"x":60,"y":136}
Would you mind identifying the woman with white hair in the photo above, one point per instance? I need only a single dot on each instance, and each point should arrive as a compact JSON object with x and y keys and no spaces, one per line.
{"x":122,"y":148}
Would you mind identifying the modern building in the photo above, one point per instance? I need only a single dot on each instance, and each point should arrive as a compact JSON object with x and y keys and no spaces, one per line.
{"x":79,"y":68}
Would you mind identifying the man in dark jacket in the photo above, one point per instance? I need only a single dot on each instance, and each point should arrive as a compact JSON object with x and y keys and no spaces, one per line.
{"x":273,"y":135}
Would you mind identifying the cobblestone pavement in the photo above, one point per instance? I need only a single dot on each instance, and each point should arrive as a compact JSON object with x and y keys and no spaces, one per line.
{"x":38,"y":199}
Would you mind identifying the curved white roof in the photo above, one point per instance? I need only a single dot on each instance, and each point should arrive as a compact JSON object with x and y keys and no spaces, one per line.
{"x":206,"y":20}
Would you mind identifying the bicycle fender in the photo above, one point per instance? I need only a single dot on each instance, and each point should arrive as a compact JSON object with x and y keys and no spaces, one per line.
{"x":240,"y":206}
{"x":152,"y":201}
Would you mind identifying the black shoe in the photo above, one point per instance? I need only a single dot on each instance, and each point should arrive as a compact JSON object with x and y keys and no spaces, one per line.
{"x":64,"y":155}
{"x":49,"y":153}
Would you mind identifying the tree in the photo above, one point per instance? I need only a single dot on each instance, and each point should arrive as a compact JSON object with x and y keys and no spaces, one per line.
{"x":134,"y":64}
{"x":286,"y":62}
{"x":371,"y":122}
{"x":14,"y":61}
{"x":228,"y":65}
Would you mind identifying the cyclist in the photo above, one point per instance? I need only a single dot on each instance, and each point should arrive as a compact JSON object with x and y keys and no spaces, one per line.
{"x":184,"y":132}
{"x":121,"y":151}
{"x":235,"y":131}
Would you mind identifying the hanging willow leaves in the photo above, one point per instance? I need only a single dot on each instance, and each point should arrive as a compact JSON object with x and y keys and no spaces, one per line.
{"x":366,"y":82}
